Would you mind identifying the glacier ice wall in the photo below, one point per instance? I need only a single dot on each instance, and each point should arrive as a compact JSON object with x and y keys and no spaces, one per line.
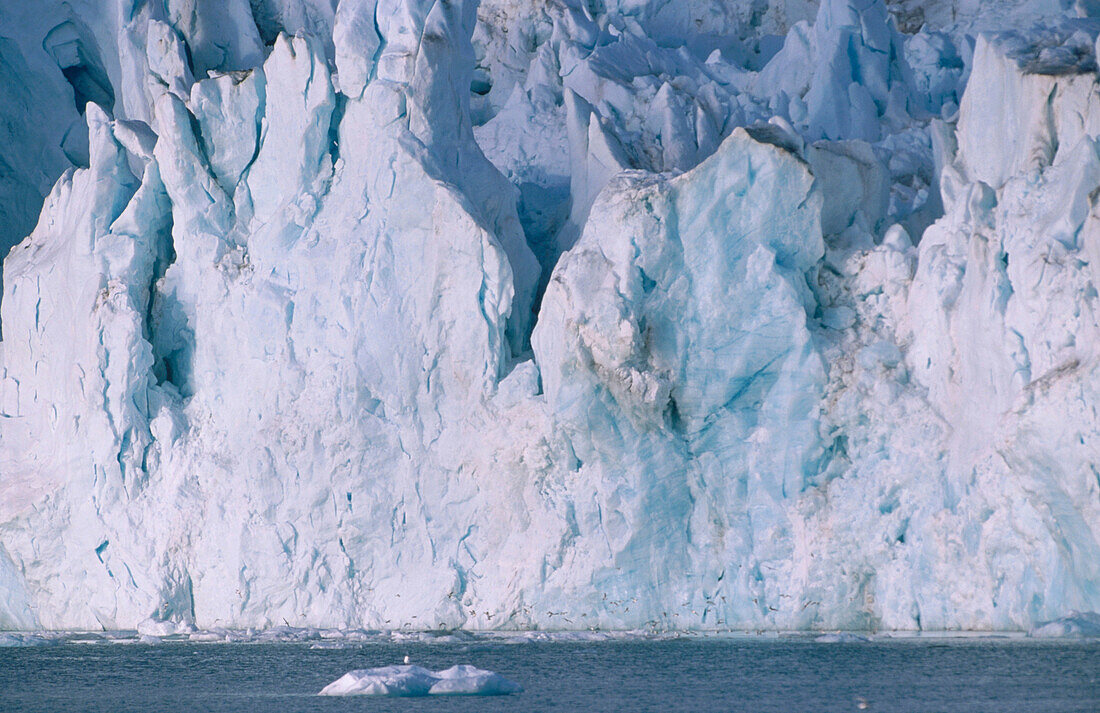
{"x":410,"y":314}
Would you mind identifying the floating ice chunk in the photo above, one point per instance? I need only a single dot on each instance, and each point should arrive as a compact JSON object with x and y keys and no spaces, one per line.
{"x":1078,"y":625}
{"x":841,"y":637}
{"x":384,"y":681}
{"x":468,"y":680}
{"x":419,"y":681}
{"x":13,"y":639}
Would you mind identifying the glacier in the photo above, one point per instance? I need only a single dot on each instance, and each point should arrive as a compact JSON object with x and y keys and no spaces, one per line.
{"x":549,"y":314}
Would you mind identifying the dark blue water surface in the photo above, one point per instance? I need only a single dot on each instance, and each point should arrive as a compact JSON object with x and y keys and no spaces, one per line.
{"x":781,"y":675}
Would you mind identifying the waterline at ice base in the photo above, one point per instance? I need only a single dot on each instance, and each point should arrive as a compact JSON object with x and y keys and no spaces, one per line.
{"x":550,"y":315}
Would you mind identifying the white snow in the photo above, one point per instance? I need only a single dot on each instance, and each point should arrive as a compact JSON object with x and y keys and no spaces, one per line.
{"x":647,"y":316}
{"x":412,"y":680}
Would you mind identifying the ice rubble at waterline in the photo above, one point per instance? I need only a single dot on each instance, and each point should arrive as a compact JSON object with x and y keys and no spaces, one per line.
{"x":666,"y":325}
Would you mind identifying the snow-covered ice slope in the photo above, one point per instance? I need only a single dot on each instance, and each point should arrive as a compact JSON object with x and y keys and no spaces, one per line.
{"x":413,"y":314}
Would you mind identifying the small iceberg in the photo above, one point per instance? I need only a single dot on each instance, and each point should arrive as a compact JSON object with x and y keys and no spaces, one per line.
{"x":13,"y":639}
{"x":419,"y":681}
{"x":1078,"y":625}
{"x":841,"y":637}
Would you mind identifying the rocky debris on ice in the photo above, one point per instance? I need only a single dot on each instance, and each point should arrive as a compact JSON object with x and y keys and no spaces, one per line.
{"x":409,"y":681}
{"x":1063,"y":48}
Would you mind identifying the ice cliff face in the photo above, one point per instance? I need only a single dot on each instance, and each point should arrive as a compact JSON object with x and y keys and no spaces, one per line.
{"x":409,"y":314}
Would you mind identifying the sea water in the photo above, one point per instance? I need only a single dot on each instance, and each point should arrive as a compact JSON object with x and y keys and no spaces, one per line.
{"x":781,"y":674}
